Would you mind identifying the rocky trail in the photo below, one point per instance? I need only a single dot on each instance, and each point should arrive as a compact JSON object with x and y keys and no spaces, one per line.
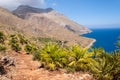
{"x":27,"y":69}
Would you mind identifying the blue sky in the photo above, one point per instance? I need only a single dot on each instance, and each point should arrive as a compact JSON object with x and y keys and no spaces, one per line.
{"x":89,"y":12}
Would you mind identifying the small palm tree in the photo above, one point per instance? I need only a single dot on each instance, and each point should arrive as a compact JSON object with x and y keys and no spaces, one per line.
{"x":106,"y":66}
{"x":53,"y":56}
{"x":81,"y":58}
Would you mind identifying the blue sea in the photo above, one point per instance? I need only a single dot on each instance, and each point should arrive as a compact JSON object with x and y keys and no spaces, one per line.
{"x":105,"y":38}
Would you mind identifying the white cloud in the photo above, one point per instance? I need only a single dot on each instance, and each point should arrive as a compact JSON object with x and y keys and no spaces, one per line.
{"x":12,"y":4}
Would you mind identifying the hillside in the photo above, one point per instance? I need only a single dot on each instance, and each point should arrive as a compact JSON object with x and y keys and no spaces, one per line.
{"x":53,"y":24}
{"x":46,"y":23}
{"x":21,"y":59}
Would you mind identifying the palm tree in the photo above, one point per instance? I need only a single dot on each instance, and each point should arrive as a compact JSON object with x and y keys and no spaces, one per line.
{"x":106,"y":66}
{"x":53,"y":56}
{"x":80,"y":58}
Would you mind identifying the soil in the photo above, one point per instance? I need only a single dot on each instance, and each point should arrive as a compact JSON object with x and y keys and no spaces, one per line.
{"x":27,"y":69}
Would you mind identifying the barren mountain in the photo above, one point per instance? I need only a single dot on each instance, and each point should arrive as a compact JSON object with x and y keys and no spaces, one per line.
{"x":27,"y":12}
{"x":34,"y":22}
{"x":23,"y":10}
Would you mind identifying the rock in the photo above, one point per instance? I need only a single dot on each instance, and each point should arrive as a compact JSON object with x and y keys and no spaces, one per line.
{"x":7,"y":61}
{"x":2,"y":70}
{"x":86,"y":77}
{"x":4,"y":78}
{"x":42,"y":65}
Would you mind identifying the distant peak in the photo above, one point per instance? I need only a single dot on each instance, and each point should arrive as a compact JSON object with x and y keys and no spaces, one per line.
{"x":24,"y":6}
{"x":34,"y":8}
{"x":23,"y":10}
{"x":49,"y":9}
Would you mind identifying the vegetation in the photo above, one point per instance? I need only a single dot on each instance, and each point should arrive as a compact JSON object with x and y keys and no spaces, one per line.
{"x":79,"y":58}
{"x":2,"y":48}
{"x":30,"y":49}
{"x":106,"y":66}
{"x":2,"y":42}
{"x":53,"y":56}
{"x":2,"y":37}
{"x":103,"y":65}
{"x":14,"y":42}
{"x":118,"y":43}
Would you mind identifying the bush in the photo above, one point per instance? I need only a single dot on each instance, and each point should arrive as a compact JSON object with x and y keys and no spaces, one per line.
{"x":106,"y":66}
{"x":13,"y":39}
{"x":2,"y":37}
{"x":80,"y":58}
{"x":103,"y":65}
{"x":2,"y":48}
{"x":14,"y":42}
{"x":53,"y":56}
{"x":36,"y":55}
{"x":29,"y":48}
{"x":45,"y":40}
{"x":73,"y":59}
{"x":16,"y":47}
{"x":22,"y":39}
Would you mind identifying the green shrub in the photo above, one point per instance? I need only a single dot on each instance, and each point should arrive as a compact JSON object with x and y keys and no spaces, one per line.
{"x":14,"y":43}
{"x":106,"y":66}
{"x":22,"y":39}
{"x":16,"y":47}
{"x":73,"y":59}
{"x":54,"y":56}
{"x":80,"y":58}
{"x":29,"y":48}
{"x":36,"y":55}
{"x":13,"y":39}
{"x":2,"y":48}
{"x":2,"y":37}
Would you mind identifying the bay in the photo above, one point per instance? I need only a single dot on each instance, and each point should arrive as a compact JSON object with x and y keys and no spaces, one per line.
{"x":105,"y":38}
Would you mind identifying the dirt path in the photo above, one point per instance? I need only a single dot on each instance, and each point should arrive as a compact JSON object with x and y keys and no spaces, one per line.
{"x":27,"y":69}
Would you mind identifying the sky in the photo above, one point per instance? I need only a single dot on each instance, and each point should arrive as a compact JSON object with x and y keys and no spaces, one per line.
{"x":91,"y":13}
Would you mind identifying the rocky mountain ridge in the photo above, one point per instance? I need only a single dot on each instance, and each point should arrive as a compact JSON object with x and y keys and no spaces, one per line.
{"x":23,"y":10}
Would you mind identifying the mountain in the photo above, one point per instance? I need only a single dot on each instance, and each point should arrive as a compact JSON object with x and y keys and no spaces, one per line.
{"x":27,"y":12}
{"x":23,"y":10}
{"x":47,"y":23}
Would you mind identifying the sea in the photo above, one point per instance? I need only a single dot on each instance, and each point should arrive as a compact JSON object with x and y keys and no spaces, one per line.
{"x":105,"y":38}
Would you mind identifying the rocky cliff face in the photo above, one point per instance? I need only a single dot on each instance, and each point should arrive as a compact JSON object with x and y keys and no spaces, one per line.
{"x":34,"y":22}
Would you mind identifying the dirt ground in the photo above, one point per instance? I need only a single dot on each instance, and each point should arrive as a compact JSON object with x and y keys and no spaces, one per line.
{"x":27,"y":69}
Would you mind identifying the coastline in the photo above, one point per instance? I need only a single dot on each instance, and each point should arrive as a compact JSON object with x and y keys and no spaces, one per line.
{"x":93,"y":40}
{"x":91,"y":44}
{"x":85,"y":33}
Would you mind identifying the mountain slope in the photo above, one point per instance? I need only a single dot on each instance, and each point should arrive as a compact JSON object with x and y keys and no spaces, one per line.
{"x":45,"y":23}
{"x":13,"y":24}
{"x":26,"y":12}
